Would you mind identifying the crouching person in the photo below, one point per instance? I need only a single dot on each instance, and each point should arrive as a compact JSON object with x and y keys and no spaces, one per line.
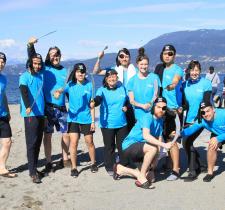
{"x":32,"y":109}
{"x":214,"y":121}
{"x":141,"y":145}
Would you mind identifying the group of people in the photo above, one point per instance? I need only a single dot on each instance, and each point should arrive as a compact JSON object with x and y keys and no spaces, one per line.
{"x":138,"y":114}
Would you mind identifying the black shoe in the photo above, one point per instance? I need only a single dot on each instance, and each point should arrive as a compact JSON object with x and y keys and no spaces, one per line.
{"x":48,"y":167}
{"x":36,"y":179}
{"x":94,"y":168}
{"x":74,"y":173}
{"x":208,"y":178}
{"x":40,"y":174}
{"x":191,"y":177}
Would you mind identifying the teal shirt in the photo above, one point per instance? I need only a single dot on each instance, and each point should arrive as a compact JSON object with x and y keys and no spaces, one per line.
{"x":3,"y":83}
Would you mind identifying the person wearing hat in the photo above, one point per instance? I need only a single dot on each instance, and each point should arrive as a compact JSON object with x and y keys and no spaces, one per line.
{"x":195,"y":89}
{"x":171,"y":75}
{"x":141,"y":87}
{"x":32,"y":109}
{"x":5,"y":129}
{"x":142,"y":145}
{"x":214,"y":121}
{"x":125,"y":71}
{"x":81,"y":118}
{"x":113,"y":100}
{"x":55,"y":77}
{"x":215,"y":80}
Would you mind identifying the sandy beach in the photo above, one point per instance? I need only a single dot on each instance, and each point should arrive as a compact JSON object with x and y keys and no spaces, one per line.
{"x":99,"y":191}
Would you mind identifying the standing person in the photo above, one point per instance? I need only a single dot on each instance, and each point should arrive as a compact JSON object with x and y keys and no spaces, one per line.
{"x":215,"y":80}
{"x":141,"y":86}
{"x":213,"y":120}
{"x":5,"y":129}
{"x":125,"y":71}
{"x":55,"y":76}
{"x":32,"y":109}
{"x":141,"y":145}
{"x":112,"y":98}
{"x":81,"y":118}
{"x":196,"y":89}
{"x":171,"y":75}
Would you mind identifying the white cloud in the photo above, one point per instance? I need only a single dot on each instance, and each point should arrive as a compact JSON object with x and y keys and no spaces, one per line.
{"x":6,"y":43}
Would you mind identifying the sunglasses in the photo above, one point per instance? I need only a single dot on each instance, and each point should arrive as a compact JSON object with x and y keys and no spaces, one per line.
{"x":122,"y":56}
{"x":169,"y":53}
{"x":163,"y":107}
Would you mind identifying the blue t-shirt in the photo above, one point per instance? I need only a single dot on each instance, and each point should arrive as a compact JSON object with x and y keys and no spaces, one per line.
{"x":34,"y":83}
{"x":54,"y":79}
{"x":216,"y":126}
{"x":3,"y":83}
{"x":79,"y":100}
{"x":194,"y":92}
{"x":136,"y":134}
{"x":143,"y":90}
{"x":111,"y":113}
{"x":173,"y":97}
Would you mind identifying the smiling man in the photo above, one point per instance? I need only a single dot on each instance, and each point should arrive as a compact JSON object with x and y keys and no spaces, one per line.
{"x":214,"y":121}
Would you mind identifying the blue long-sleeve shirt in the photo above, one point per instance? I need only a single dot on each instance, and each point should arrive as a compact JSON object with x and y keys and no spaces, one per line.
{"x":216,"y":126}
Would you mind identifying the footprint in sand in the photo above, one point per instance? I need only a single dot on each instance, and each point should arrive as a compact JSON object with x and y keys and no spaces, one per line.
{"x":31,"y":203}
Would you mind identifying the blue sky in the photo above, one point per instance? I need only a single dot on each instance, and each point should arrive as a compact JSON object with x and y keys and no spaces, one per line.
{"x":84,"y":27}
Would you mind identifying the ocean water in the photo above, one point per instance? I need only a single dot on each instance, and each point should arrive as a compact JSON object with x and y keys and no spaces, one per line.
{"x":13,"y":93}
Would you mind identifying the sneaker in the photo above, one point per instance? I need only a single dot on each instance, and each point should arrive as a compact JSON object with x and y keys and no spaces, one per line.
{"x":74,"y":173}
{"x":48,"y":167}
{"x":94,"y":168}
{"x":208,"y":178}
{"x":36,"y":179}
{"x":110,"y":172}
{"x":190,"y":177}
{"x":173,"y":176}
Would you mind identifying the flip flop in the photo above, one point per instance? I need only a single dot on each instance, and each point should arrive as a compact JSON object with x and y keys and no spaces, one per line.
{"x":116,"y":176}
{"x":145,"y":185}
{"x":9,"y":175}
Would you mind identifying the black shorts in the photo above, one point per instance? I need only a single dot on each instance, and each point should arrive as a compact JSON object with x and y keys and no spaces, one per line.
{"x":134,"y":153}
{"x":79,"y":128}
{"x":5,"y":129}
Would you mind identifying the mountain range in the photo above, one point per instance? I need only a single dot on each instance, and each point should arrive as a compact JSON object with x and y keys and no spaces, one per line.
{"x":205,"y":45}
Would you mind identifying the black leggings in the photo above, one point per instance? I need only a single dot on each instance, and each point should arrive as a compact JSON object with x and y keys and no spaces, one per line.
{"x":193,"y":156}
{"x":112,"y":138}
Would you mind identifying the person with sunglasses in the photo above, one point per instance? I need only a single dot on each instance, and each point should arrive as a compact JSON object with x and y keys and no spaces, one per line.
{"x":171,"y":75}
{"x":81,"y":117}
{"x":112,"y":99}
{"x":195,"y":89}
{"x":213,"y":120}
{"x":5,"y":129}
{"x":55,"y":77}
{"x":143,"y":86}
{"x":125,"y":71}
{"x":142,"y":145}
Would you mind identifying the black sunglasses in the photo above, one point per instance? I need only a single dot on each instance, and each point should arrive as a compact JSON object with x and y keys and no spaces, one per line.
{"x":169,"y":53}
{"x":202,"y":113}
{"x":122,"y":56}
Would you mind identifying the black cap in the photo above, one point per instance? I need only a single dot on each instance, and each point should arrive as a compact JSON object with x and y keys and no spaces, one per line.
{"x":211,"y":68}
{"x":3,"y":56}
{"x":160,"y":99}
{"x":169,"y":47}
{"x":205,"y":104}
{"x":110,"y":72}
{"x":37,"y":55}
{"x":81,"y":67}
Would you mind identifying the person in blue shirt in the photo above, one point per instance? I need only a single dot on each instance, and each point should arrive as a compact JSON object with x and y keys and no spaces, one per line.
{"x":141,"y":87}
{"x":5,"y":129}
{"x":214,"y":121}
{"x":55,"y":77}
{"x":113,"y":99}
{"x":141,"y":145}
{"x":32,"y":109}
{"x":171,"y":78}
{"x":126,"y":71}
{"x":195,"y":89}
{"x":81,"y":118}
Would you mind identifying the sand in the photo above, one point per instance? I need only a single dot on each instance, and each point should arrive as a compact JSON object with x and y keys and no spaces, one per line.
{"x":99,"y":191}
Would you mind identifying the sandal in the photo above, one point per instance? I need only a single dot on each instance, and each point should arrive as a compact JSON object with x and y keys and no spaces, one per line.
{"x":116,"y":176}
{"x":9,"y":175}
{"x":145,"y":185}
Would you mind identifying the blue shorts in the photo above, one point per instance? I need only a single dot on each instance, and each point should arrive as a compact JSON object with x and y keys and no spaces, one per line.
{"x":56,"y":116}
